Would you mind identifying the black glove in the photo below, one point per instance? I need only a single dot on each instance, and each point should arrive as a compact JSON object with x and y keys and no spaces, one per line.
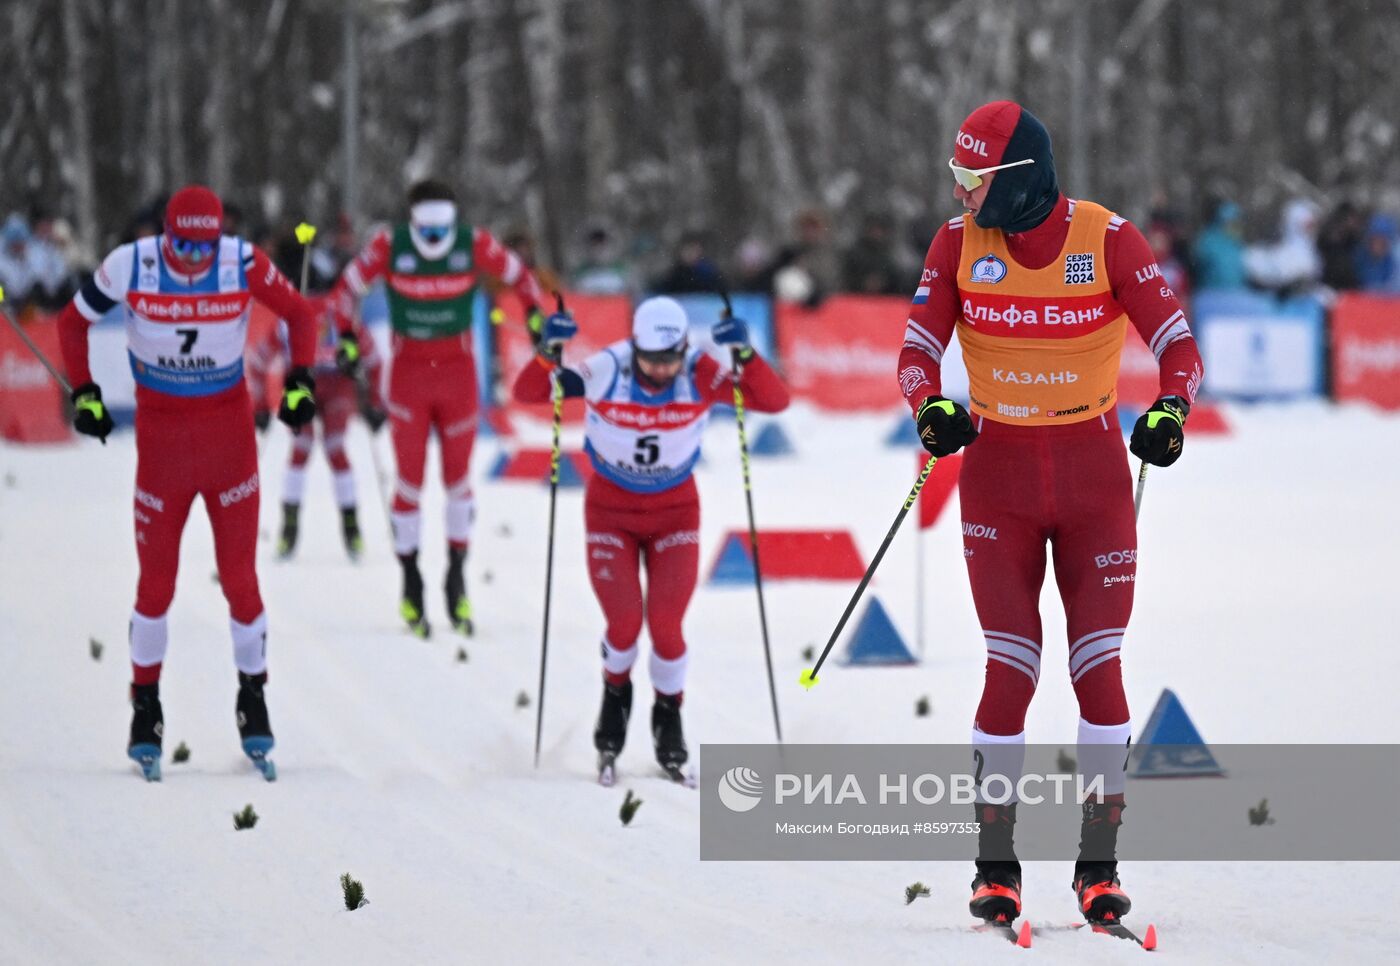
{"x":944,"y":426}
{"x":374,"y":417}
{"x":90,"y":416}
{"x":262,"y":419}
{"x":298,"y":398}
{"x":1158,"y":436}
{"x":347,"y":355}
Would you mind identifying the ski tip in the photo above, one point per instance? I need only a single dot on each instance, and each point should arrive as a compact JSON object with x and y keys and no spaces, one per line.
{"x":1149,"y":938}
{"x":147,"y":758}
{"x":1023,"y":936}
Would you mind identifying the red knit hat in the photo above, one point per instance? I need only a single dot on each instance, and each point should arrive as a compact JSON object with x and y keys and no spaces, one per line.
{"x":982,"y":138}
{"x":196,"y":213}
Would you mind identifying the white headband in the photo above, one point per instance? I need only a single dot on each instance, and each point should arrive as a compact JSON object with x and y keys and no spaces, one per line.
{"x":433,"y":213}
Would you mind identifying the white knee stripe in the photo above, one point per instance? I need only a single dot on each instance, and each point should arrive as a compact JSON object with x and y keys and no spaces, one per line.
{"x":344,"y":484}
{"x":618,"y":660}
{"x":1103,"y":751}
{"x":334,"y":443}
{"x":406,"y":524}
{"x":149,"y":636}
{"x":250,"y":644}
{"x":294,"y":484}
{"x":461,"y":516}
{"x":1003,"y":755}
{"x":668,"y":677}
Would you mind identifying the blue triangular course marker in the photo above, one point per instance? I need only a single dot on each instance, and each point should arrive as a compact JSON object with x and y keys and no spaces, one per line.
{"x":734,"y":566}
{"x":1171,"y":746}
{"x":568,"y":472}
{"x":498,"y":468}
{"x":771,"y":441}
{"x":905,"y":433}
{"x":875,"y":641}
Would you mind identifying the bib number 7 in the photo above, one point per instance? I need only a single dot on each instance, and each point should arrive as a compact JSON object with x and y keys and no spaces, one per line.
{"x":648,"y":450}
{"x":189,"y":335}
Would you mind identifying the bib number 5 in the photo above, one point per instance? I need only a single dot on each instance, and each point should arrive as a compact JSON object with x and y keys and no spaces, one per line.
{"x":648,"y":450}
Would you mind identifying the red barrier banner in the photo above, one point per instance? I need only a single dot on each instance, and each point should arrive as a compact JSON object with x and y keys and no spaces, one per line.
{"x":602,"y":320}
{"x":1366,"y":349}
{"x":844,"y":354}
{"x":31,"y":403}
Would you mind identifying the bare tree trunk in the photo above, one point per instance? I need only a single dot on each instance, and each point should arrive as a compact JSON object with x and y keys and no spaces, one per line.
{"x":220,"y":115}
{"x":80,"y":156}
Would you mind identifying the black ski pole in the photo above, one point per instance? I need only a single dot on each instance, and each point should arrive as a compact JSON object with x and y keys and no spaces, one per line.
{"x":1141,"y":484}
{"x":753,"y":530}
{"x":305,"y":233}
{"x":808,"y":678}
{"x":554,"y":456}
{"x":38,"y":353}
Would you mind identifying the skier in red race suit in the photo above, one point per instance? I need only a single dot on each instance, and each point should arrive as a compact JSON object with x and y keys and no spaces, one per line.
{"x":186,"y":295}
{"x":432,"y":266}
{"x":338,"y":397}
{"x":648,"y":401}
{"x":1041,"y":290}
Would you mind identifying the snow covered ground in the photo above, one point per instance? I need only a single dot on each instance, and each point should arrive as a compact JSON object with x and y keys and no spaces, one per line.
{"x":1265,"y":598}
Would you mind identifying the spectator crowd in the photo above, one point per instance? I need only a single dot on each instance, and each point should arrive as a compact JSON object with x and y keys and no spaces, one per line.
{"x":1348,"y":248}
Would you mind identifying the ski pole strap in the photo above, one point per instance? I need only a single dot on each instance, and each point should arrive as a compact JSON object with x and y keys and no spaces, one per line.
{"x":558,"y":418}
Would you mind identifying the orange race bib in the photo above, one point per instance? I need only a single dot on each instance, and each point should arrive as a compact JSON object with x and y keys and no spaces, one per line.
{"x":1041,"y":345}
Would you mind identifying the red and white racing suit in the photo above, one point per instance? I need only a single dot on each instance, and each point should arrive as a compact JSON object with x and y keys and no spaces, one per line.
{"x":186,"y":337}
{"x":641,"y":503}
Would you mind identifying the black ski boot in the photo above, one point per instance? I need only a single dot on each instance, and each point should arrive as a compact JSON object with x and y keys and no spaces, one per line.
{"x":1096,"y":873}
{"x":287,"y":542}
{"x":253,"y":725}
{"x":411,"y":605}
{"x":996,"y":888}
{"x":667,"y":734}
{"x":350,"y":533}
{"x":610,"y":733}
{"x":459,"y":608}
{"x":147,"y":729}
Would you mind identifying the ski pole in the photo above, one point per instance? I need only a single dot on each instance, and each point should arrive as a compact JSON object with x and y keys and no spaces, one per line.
{"x":305,"y":232}
{"x":554,"y":455}
{"x":1137,"y":497}
{"x":362,"y":397}
{"x":38,"y":354}
{"x":808,"y":678}
{"x":753,"y":530}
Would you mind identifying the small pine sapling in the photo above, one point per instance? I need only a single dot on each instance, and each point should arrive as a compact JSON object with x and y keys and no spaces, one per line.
{"x":914,"y":891}
{"x":245,"y":819}
{"x":630,"y":804}
{"x":353,"y":891}
{"x":1259,"y":814}
{"x":1065,"y":763}
{"x":182,"y":755}
{"x":923,"y":707}
{"x":95,"y":648}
